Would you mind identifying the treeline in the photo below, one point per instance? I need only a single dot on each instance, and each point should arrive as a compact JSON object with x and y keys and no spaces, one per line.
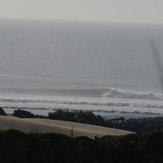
{"x":136,"y":125}
{"x":75,"y":116}
{"x":18,"y":147}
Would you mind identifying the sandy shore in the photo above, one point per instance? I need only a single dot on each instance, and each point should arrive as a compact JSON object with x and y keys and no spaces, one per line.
{"x":64,"y":127}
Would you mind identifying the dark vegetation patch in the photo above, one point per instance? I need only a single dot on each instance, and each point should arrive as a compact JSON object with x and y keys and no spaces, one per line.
{"x":77,"y":116}
{"x":23,"y":114}
{"x":16,"y":146}
{"x":2,"y":112}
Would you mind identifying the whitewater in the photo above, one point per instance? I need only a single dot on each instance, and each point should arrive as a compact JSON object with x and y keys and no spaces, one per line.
{"x":106,"y":68}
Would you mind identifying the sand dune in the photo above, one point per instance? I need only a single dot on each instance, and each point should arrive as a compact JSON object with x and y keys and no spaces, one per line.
{"x":64,"y":127}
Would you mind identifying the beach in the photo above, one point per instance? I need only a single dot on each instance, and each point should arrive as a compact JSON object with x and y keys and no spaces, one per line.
{"x":63,"y":127}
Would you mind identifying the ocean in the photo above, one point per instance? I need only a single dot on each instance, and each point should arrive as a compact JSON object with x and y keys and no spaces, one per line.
{"x":106,"y":68}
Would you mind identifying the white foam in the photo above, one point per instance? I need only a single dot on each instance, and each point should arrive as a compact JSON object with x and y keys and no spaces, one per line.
{"x":119,"y":93}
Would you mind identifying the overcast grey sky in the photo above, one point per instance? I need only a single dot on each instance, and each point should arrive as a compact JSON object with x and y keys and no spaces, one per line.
{"x":147,"y":11}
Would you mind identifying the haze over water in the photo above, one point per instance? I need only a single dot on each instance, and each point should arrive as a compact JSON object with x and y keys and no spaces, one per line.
{"x":104,"y":67}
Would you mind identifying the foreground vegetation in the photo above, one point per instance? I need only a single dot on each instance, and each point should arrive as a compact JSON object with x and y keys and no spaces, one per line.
{"x":18,"y":147}
{"x":34,"y":147}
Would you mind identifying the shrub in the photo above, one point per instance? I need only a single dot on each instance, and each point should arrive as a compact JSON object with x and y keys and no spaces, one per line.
{"x":62,"y":115}
{"x":2,"y":112}
{"x":23,"y":114}
{"x":77,"y":116}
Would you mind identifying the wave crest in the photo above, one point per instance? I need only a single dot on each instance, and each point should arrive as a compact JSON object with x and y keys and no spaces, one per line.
{"x":119,"y":93}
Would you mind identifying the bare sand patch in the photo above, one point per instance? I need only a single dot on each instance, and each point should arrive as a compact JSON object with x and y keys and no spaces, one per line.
{"x":56,"y":126}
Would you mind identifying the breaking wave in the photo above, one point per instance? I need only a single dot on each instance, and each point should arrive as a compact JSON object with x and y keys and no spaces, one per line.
{"x":99,"y":92}
{"x":120,"y":100}
{"x":119,"y":93}
{"x":107,"y":102}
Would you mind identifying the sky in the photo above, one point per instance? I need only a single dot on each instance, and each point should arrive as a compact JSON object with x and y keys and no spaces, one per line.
{"x":140,"y":11}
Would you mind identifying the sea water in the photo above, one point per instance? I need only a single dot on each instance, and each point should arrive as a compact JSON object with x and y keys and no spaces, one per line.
{"x":107,"y":68}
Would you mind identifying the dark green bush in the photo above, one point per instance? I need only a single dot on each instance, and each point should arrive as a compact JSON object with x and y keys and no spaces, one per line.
{"x":2,"y":112}
{"x":23,"y":114}
{"x":77,"y":116}
{"x":62,"y":115}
